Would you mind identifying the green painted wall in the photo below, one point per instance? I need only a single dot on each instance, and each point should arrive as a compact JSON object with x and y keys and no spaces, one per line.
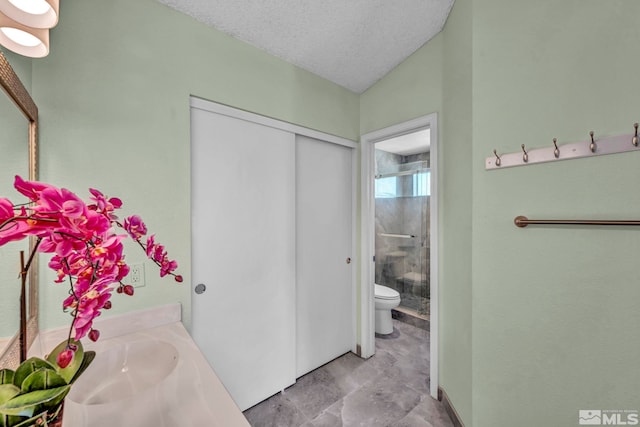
{"x":536,"y":323}
{"x":412,"y":89}
{"x":437,"y":78}
{"x":114,"y":109}
{"x":555,"y":309}
{"x":455,"y":217}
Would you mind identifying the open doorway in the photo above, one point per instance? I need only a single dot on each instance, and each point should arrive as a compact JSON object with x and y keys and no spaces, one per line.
{"x":399,"y":244}
{"x":402,"y":194}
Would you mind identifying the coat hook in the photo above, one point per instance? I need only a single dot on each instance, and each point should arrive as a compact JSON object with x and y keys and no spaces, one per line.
{"x":635,"y":138}
{"x":556,"y":152}
{"x":525,"y":156}
{"x":498,"y":161}
{"x":592,"y":146}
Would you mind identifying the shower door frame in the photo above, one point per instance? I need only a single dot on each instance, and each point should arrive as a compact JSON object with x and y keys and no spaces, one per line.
{"x":367,"y":310}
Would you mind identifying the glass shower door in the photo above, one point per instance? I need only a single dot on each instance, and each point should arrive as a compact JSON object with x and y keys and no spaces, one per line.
{"x":402,"y":234}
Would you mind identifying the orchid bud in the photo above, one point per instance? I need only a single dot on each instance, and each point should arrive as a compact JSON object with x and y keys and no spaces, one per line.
{"x":64,"y":358}
{"x":94,"y":335}
{"x":178,"y":278}
{"x":128,"y":289}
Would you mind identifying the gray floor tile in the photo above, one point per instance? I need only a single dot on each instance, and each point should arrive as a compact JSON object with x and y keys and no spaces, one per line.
{"x":390,"y":389}
{"x":277,"y":411}
{"x":428,"y":412}
{"x":380,"y":403}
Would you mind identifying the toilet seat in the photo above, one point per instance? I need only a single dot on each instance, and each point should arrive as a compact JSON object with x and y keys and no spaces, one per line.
{"x":385,"y":293}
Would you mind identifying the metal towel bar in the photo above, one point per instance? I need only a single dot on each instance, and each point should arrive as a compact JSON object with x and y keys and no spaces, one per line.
{"x":523,"y":221}
{"x":402,"y":236}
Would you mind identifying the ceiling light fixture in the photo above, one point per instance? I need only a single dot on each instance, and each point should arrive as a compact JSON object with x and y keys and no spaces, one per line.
{"x":32,"y":13}
{"x":24,"y":40}
{"x":24,"y":25}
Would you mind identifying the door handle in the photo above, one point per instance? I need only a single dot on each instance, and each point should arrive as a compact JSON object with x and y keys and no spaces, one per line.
{"x":200,"y":288}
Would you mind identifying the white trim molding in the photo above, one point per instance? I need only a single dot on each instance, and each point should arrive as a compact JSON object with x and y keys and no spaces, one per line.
{"x":367,"y":265}
{"x":214,"y":107}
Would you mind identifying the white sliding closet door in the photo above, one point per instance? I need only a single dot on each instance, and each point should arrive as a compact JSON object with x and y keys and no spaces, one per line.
{"x":243,"y":208}
{"x":325,"y":308}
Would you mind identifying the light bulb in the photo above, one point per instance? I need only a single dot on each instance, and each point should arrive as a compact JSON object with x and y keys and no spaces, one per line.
{"x":21,"y":37}
{"x":33,"y":7}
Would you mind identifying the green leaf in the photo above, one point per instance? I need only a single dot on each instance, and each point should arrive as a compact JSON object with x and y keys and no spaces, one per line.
{"x":28,"y":367}
{"x":86,"y":361}
{"x":42,"y":379}
{"x":7,"y":392}
{"x":27,"y":404}
{"x":70,"y":371}
{"x":6,"y":376}
{"x":12,"y":421}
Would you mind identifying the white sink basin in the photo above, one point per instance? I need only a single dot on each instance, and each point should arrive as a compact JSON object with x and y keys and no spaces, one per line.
{"x":124,"y":371}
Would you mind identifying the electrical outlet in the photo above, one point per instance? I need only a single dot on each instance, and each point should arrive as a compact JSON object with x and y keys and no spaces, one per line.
{"x":136,"y":275}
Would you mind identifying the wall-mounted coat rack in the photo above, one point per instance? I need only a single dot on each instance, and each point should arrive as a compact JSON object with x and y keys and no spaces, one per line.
{"x":589,"y":148}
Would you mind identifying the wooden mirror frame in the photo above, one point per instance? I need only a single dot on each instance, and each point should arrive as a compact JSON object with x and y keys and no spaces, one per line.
{"x":10,"y":356}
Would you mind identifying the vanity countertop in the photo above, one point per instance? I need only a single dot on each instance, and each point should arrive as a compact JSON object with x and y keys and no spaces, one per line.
{"x":190,"y":395}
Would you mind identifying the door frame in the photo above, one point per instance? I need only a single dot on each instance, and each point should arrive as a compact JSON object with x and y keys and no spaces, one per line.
{"x":367,"y":267}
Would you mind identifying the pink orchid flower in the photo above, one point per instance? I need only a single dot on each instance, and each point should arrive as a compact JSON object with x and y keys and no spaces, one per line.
{"x":86,"y":252}
{"x":31,"y":189}
{"x":6,"y":210}
{"x":135,"y":227}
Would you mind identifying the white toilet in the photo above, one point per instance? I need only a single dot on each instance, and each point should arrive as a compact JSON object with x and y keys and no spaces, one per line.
{"x":385,"y":299}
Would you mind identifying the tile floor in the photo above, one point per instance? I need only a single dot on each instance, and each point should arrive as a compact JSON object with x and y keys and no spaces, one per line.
{"x":389,"y":389}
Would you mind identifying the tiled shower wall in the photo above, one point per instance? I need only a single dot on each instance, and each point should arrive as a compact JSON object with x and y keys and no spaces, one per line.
{"x":401,"y":263}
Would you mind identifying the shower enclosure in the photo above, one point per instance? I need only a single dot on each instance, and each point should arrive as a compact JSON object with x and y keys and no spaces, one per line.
{"x":402,"y":250}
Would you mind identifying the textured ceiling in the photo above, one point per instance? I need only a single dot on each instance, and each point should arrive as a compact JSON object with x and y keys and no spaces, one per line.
{"x":352,"y":43}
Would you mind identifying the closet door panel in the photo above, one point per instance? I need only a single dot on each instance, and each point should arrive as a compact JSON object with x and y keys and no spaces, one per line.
{"x":243,"y":251}
{"x":325,"y":308}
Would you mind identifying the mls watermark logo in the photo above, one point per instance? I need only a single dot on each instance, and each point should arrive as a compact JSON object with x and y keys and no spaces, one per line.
{"x":599,"y":417}
{"x":590,"y":417}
